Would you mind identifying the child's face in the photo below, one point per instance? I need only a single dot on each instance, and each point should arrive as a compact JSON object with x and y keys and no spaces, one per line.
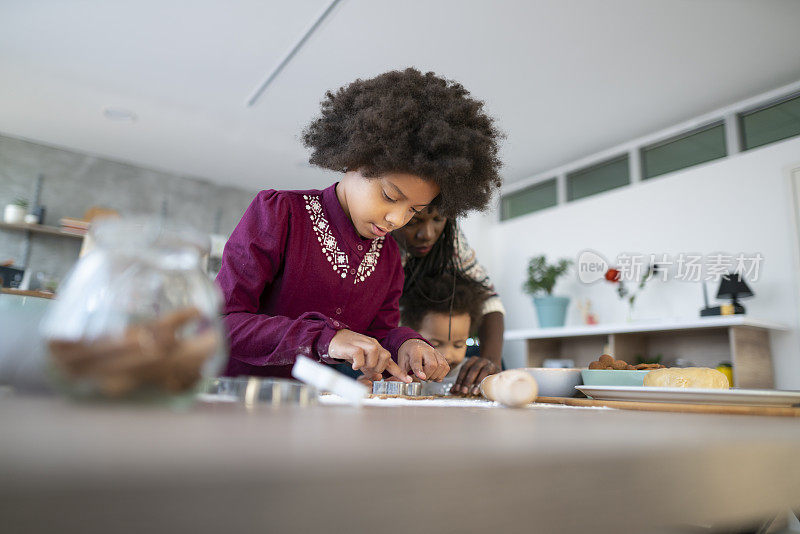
{"x":376,"y":206}
{"x":422,"y":232}
{"x":434,"y":328}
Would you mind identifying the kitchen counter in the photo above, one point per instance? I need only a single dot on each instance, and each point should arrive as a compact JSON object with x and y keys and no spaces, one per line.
{"x":478,"y":468}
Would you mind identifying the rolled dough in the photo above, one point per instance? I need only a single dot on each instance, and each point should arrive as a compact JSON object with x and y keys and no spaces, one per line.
{"x":690,"y":377}
{"x":512,"y":388}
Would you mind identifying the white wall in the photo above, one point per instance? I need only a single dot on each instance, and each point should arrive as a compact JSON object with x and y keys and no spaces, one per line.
{"x":738,"y":204}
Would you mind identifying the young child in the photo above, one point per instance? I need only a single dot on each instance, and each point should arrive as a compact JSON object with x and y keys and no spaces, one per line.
{"x":431,"y":245}
{"x":313,"y":272}
{"x":445,"y":309}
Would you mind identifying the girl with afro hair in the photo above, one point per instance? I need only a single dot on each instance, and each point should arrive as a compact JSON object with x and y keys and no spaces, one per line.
{"x":313,"y":272}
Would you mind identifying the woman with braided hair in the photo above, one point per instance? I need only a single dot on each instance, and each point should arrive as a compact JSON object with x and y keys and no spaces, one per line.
{"x":432,"y":245}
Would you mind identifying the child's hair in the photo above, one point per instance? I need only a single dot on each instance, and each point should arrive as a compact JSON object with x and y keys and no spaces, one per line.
{"x":440,"y":259}
{"x":449,"y":294}
{"x":409,"y":122}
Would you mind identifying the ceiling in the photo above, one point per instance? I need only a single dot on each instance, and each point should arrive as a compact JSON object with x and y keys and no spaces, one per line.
{"x":564,"y":79}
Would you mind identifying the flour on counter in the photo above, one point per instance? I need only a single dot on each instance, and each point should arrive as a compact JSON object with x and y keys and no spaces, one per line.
{"x":335,"y":400}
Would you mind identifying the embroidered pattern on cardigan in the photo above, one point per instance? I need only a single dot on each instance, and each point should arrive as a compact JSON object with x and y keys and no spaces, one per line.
{"x":330,"y":246}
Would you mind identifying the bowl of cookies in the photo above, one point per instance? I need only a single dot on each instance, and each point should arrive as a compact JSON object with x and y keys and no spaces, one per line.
{"x":607,"y":371}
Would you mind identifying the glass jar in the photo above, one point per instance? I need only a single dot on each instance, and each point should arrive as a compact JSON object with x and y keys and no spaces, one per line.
{"x":136,"y":317}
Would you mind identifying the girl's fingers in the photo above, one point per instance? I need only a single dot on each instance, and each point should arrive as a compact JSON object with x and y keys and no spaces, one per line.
{"x":370,"y":356}
{"x":358,"y":358}
{"x":384,"y":357}
{"x":431,"y":364}
{"x":474,"y":372}
{"x":378,"y":358}
{"x":432,"y":367}
{"x":486,"y":371}
{"x":393,"y":369}
{"x":416,"y":364}
{"x":438,"y":364}
{"x":365,"y":380}
{"x":371,"y":376}
{"x":375,"y":356}
{"x":465,"y":371}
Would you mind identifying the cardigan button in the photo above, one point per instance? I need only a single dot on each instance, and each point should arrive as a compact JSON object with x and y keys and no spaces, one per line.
{"x":360,"y":247}
{"x":336,"y":324}
{"x":338,"y":311}
{"x":352,"y":271}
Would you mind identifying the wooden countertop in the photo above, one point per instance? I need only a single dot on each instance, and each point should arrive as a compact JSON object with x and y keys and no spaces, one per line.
{"x":220,"y":468}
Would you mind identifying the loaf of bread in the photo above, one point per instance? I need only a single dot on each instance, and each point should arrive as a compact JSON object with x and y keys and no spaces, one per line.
{"x":690,"y":377}
{"x":513,"y":388}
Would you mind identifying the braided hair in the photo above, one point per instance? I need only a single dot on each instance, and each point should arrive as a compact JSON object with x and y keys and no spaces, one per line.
{"x":439,"y":261}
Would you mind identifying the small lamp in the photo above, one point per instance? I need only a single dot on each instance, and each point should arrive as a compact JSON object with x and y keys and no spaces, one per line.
{"x":733,"y":287}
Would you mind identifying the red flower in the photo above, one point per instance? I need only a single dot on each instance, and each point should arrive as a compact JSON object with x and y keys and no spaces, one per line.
{"x":612,"y":275}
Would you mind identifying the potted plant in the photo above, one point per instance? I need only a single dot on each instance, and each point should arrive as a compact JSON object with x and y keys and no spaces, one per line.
{"x":550,"y":310}
{"x":15,"y":212}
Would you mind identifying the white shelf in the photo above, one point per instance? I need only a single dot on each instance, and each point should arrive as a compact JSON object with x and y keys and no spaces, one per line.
{"x":694,"y":323}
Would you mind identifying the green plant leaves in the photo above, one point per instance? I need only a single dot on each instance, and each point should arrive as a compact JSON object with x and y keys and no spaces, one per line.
{"x":542,"y":276}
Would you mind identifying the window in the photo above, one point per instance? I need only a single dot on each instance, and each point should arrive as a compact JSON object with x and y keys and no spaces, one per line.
{"x":534,"y":198}
{"x":598,"y":178}
{"x":693,"y":148}
{"x":773,"y":122}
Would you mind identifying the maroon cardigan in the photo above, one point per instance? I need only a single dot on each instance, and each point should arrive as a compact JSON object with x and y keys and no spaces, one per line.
{"x":294,"y":272}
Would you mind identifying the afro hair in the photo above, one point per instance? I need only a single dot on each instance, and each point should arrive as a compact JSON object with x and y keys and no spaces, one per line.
{"x":443,"y":294}
{"x":409,"y":122}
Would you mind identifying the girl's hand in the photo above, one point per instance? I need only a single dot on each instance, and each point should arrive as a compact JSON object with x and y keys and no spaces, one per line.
{"x":474,"y":370}
{"x":365,"y":354}
{"x":425,"y":361}
{"x":365,"y":381}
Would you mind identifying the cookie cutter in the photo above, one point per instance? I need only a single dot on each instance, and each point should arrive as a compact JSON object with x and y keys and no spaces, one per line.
{"x":391,"y":387}
{"x":252,"y":391}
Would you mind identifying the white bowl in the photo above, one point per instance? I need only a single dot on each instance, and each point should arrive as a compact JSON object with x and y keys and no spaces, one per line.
{"x":556,"y":382}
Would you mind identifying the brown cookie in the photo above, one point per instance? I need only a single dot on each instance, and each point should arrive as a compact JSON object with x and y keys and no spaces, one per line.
{"x":606,"y":359}
{"x":643,"y":366}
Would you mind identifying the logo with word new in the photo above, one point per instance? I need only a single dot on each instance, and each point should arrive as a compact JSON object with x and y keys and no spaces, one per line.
{"x":591,"y":266}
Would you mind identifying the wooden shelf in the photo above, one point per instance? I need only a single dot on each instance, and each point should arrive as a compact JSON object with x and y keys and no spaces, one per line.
{"x":39,"y":229}
{"x":706,"y":341}
{"x":26,"y":293}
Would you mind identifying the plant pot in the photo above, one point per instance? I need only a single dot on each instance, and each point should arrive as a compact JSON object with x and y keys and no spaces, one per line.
{"x":551,"y":311}
{"x":14,"y":214}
